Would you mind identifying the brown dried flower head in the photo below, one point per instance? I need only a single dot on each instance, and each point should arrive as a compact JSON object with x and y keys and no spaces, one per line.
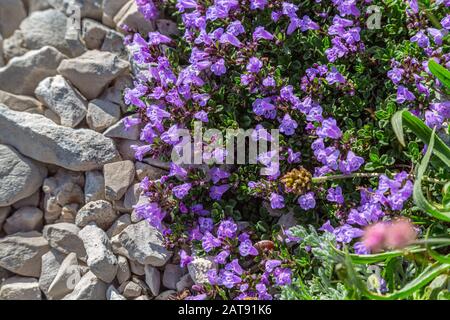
{"x":297,"y":181}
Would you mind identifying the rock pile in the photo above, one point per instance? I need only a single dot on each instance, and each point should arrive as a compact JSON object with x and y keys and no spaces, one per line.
{"x":68,"y":180}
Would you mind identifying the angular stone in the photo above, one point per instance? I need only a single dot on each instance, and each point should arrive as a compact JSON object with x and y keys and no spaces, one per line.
{"x":24,"y":220}
{"x":36,"y":5}
{"x":2,"y":59}
{"x":132,"y":196}
{"x":114,"y":43}
{"x":110,"y":9}
{"x":123,"y":270}
{"x":166,"y":295}
{"x":23,"y":74}
{"x":185,"y":283}
{"x":64,"y":238}
{"x":118,"y":131}
{"x":20,"y":177}
{"x":51,"y":261}
{"x":136,"y":268}
{"x":93,"y":33}
{"x":60,"y":97}
{"x":101,"y":212}
{"x":94,"y":188}
{"x":142,"y":243}
{"x":118,"y":177}
{"x":93,"y":71}
{"x":129,"y":15}
{"x":132,"y":290}
{"x":20,"y":288}
{"x":21,"y":253}
{"x":88,"y":8}
{"x":4,"y":212}
{"x":102,"y":114}
{"x":153,"y":279}
{"x":49,"y":28}
{"x":113,"y":294}
{"x":145,"y":170}
{"x":121,"y":223}
{"x":12,"y":12}
{"x":172,"y":274}
{"x":88,"y":288}
{"x":68,"y":276}
{"x":125,"y":148}
{"x":167,"y":27}
{"x":116,"y":91}
{"x":21,"y":103}
{"x":76,"y":150}
{"x":101,"y":261}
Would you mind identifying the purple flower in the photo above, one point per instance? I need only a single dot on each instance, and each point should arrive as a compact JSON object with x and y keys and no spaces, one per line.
{"x":327,"y":227}
{"x":156,"y":38}
{"x":227,"y":229}
{"x":269,"y":82}
{"x":231,"y":39}
{"x":235,"y":267}
{"x":140,"y":151}
{"x":307,"y":201}
{"x":351,"y":164}
{"x":396,"y":75}
{"x":209,"y":242}
{"x":235,"y":28}
{"x":414,"y":5}
{"x":403,"y":95}
{"x":445,"y":22}
{"x":217,"y":174}
{"x":335,"y":195}
{"x":185,"y":259}
{"x":347,"y":233}
{"x":205,"y":224}
{"x":293,"y":157}
{"x":276,"y":201}
{"x":261,"y":33}
{"x":288,"y":125}
{"x":229,"y":279}
{"x":257,"y":4}
{"x":216,"y":192}
{"x":221,"y":258}
{"x":186,"y":4}
{"x":422,"y":39}
{"x":219,"y":68}
{"x":202,"y":116}
{"x":182,"y":191}
{"x":329,"y":129}
{"x":176,"y":170}
{"x":246,"y":248}
{"x":272,"y":264}
{"x":283,"y":276}
{"x":254,"y":65}
{"x":335,"y":77}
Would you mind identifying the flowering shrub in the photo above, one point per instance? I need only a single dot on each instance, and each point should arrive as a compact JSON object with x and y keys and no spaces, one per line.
{"x":330,"y":85}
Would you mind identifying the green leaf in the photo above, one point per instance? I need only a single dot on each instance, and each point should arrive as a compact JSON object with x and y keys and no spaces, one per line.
{"x":440,"y":72}
{"x":379,"y":257}
{"x":422,"y":131}
{"x":419,"y":198}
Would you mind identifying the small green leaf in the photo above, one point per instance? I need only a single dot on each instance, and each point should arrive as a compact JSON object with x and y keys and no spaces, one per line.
{"x":440,"y":72}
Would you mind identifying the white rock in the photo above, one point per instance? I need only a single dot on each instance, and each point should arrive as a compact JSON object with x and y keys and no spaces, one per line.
{"x":110,"y":9}
{"x":24,"y":220}
{"x":172,"y":274}
{"x":88,"y":288}
{"x":118,"y":177}
{"x":93,"y":33}
{"x":64,"y":238}
{"x":93,"y":71}
{"x":118,"y":131}
{"x":153,"y":279}
{"x":123,"y":270}
{"x":113,"y":294}
{"x":88,"y":8}
{"x":12,"y":12}
{"x":94,"y":188}
{"x":121,"y":223}
{"x":14,"y":46}
{"x":137,"y":268}
{"x":132,"y":290}
{"x":51,"y":261}
{"x":76,"y":150}
{"x":132,"y":196}
{"x":23,"y":74}
{"x":31,"y":201}
{"x":68,"y":276}
{"x":20,"y":288}
{"x":129,"y":15}
{"x":49,"y":28}
{"x":101,"y":212}
{"x":102,"y":114}
{"x":167,"y":27}
{"x":36,"y":5}
{"x":199,"y":268}
{"x":114,"y":43}
{"x":116,"y":91}
{"x":21,"y":253}
{"x":60,"y":97}
{"x":20,"y":177}
{"x":142,"y":243}
{"x":101,"y":261}
{"x":4,"y":212}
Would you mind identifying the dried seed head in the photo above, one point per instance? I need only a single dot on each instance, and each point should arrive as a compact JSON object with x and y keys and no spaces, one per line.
{"x":297,"y":181}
